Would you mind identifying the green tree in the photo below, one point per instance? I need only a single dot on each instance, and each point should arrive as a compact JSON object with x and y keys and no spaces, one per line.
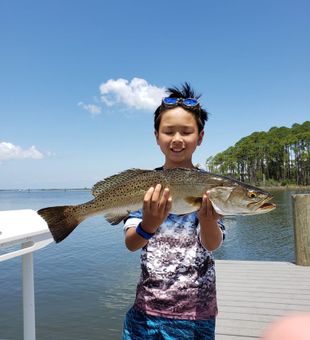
{"x":280,"y":155}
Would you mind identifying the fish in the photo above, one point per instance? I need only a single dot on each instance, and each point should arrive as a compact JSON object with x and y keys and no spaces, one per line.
{"x":118,"y":195}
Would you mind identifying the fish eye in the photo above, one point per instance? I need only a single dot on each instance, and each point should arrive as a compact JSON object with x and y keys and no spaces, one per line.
{"x":252,"y":194}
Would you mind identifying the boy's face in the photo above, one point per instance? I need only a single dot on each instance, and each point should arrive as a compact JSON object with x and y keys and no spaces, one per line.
{"x":178,"y":137}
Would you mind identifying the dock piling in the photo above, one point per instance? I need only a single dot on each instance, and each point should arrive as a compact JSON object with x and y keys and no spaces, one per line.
{"x":301,"y":217}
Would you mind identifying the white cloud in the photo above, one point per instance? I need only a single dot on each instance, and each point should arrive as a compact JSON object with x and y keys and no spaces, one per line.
{"x":92,"y":108}
{"x":137,"y":93}
{"x":11,"y":151}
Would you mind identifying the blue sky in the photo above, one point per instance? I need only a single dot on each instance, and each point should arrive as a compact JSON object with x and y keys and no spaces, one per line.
{"x":79,"y":80}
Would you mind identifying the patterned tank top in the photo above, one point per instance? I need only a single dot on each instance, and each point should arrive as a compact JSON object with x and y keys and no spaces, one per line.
{"x":177,"y":273}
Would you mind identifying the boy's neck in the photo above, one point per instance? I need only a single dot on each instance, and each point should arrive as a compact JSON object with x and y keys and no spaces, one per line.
{"x":169,"y":165}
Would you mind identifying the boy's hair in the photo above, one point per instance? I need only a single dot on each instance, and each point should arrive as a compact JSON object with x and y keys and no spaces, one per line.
{"x":185,"y":91}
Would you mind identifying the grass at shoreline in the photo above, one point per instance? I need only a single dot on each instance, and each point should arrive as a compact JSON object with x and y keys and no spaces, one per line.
{"x":285,"y":187}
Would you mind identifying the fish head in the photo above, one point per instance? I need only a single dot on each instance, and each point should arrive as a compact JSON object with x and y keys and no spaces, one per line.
{"x":240,"y":200}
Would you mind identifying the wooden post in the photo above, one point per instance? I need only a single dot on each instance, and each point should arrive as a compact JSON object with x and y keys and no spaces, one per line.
{"x":301,"y":216}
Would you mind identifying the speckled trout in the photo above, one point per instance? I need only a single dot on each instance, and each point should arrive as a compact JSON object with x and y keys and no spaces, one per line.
{"x":116,"y":196}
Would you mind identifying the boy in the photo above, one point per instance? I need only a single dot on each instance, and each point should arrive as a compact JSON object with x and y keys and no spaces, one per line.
{"x":176,"y":296}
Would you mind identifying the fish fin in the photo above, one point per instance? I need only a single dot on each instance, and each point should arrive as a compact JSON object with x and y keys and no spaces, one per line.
{"x":194,"y":201}
{"x":60,"y":220}
{"x":115,"y":219}
{"x":223,"y":192}
{"x":116,"y":180}
{"x":217,"y":195}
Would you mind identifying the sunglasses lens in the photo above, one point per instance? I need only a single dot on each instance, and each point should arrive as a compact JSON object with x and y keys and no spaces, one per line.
{"x":190,"y":102}
{"x":170,"y":101}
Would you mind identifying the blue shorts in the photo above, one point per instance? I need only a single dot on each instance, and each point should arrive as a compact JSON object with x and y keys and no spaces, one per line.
{"x":138,"y":326}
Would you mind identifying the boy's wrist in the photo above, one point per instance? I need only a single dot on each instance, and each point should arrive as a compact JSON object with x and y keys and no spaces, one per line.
{"x":143,"y":233}
{"x":208,"y":222}
{"x":148,"y":228}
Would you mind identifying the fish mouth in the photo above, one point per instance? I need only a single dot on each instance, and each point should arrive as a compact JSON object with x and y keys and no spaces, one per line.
{"x":264,"y":205}
{"x":267,"y":206}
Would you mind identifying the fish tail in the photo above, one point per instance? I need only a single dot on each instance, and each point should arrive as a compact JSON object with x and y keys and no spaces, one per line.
{"x":61,"y":220}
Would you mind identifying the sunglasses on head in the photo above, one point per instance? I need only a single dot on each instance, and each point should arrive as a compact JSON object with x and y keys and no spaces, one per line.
{"x":189,"y":103}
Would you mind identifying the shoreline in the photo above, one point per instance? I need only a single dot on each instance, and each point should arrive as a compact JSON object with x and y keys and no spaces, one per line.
{"x":285,"y":187}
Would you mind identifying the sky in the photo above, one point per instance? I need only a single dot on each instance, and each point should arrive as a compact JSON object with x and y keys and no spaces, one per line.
{"x":79,"y":80}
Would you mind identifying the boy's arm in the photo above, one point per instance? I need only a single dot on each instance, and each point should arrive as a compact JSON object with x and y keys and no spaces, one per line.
{"x":211,"y":235}
{"x":156,"y":207}
{"x":133,"y":240}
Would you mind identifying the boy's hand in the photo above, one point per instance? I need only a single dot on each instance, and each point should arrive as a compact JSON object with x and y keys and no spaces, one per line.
{"x":156,"y":207}
{"x":210,"y":233}
{"x":206,"y":212}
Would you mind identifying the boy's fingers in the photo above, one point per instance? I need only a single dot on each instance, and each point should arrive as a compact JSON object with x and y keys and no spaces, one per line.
{"x":168,"y":205}
{"x":210,"y":210}
{"x":149,"y":194}
{"x":204,"y":203}
{"x":163,"y":200}
{"x":206,"y":206}
{"x":147,"y":197}
{"x":156,"y":195}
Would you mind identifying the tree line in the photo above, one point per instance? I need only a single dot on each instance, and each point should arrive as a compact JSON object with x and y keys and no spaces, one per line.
{"x":278,"y":156}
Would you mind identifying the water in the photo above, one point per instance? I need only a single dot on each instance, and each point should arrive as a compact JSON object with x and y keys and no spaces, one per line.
{"x":85,"y":284}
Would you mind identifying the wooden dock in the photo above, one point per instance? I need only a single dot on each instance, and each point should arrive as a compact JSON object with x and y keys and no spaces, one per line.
{"x":253,"y":294}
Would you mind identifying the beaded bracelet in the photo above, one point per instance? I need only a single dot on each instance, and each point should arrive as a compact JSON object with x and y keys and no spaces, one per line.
{"x":143,"y":233}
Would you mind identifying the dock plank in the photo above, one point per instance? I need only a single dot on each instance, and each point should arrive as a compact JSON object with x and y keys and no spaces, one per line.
{"x":253,"y":294}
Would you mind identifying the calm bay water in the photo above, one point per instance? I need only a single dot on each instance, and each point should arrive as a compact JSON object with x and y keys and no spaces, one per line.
{"x":85,"y":284}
